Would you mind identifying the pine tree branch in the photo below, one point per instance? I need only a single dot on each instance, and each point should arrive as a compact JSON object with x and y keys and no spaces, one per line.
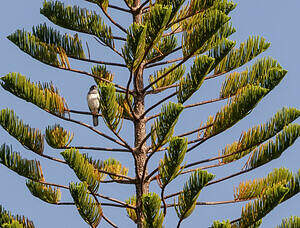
{"x":97,"y":194}
{"x":97,"y":148}
{"x":213,"y":203}
{"x":102,"y":204}
{"x":99,"y":62}
{"x":176,"y":85}
{"x":168,"y":72}
{"x":204,"y":102}
{"x":109,"y":221}
{"x":119,"y":8}
{"x":143,"y":4}
{"x":195,"y":131}
{"x":112,"y":48}
{"x":190,"y":106}
{"x":112,"y":20}
{"x":89,"y":113}
{"x":157,"y":104}
{"x":93,"y":76}
{"x":164,"y":62}
{"x":162,"y":56}
{"x":91,"y":128}
{"x":216,"y":181}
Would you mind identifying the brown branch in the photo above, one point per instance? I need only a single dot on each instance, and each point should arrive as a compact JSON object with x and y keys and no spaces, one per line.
{"x":52,"y":158}
{"x":212,"y":203}
{"x":112,"y":20}
{"x":195,"y":131}
{"x":162,"y":56}
{"x":109,"y":221}
{"x":88,"y":113}
{"x":91,"y":75}
{"x":157,"y":104}
{"x":112,"y":48}
{"x":164,"y":63}
{"x":99,"y":62}
{"x":90,"y":127}
{"x":119,"y":8}
{"x":216,"y":181}
{"x":99,"y":195}
{"x":204,"y":102}
{"x":143,"y":4}
{"x":97,"y":148}
{"x":102,"y":204}
{"x":168,"y":72}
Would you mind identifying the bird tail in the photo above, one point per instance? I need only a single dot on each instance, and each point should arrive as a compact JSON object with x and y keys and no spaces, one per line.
{"x":95,"y":120}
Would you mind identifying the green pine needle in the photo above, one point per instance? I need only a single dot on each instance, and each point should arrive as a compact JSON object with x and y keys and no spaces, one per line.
{"x":86,"y":205}
{"x":27,"y":168}
{"x":57,"y":137}
{"x":31,"y":138}
{"x":45,"y":96}
{"x":46,"y":193}
{"x":7,"y":218}
{"x":188,"y":197}
{"x":67,"y":17}
{"x":163,"y":128}
{"x":169,"y":167}
{"x":84,"y":170}
{"x":153,"y":218}
{"x":258,"y":134}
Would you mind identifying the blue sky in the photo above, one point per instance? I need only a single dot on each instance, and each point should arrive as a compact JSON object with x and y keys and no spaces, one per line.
{"x":276,"y":20}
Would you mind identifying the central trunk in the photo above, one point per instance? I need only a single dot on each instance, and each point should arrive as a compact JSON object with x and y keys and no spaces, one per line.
{"x":140,"y":155}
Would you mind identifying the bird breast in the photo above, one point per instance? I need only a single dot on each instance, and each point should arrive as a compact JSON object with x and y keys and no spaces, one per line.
{"x":93,"y":102}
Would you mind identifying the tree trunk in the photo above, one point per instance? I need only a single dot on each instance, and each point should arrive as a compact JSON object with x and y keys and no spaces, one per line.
{"x":139,"y":130}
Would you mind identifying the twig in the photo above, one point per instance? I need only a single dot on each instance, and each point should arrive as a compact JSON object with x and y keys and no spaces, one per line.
{"x":213,"y":203}
{"x":112,"y":48}
{"x":90,"y":127}
{"x":119,"y":8}
{"x":163,"y":56}
{"x":204,"y":102}
{"x":97,"y":148}
{"x":91,"y":75}
{"x":163,"y":63}
{"x":52,"y":158}
{"x":143,"y":4}
{"x":99,"y":195}
{"x":168,"y":72}
{"x":112,"y":20}
{"x":108,"y":221}
{"x":195,"y":131}
{"x":216,"y":181}
{"x":157,"y":104}
{"x":100,"y":62}
{"x":88,"y":113}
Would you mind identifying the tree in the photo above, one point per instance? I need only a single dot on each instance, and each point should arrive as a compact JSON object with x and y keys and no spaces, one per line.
{"x":203,"y":28}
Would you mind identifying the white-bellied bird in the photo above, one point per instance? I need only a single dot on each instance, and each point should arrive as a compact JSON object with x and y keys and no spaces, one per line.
{"x":93,"y":100}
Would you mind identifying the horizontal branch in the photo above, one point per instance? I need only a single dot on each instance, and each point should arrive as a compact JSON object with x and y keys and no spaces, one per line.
{"x":97,"y":148}
{"x":89,"y":127}
{"x":112,"y":20}
{"x":216,"y":181}
{"x":164,"y":62}
{"x":162,"y":56}
{"x":100,"y":62}
{"x":97,"y":194}
{"x":195,"y":131}
{"x":88,"y":113}
{"x":119,"y":8}
{"x":212,"y":203}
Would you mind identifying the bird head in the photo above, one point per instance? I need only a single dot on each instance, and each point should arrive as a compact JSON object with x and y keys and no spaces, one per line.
{"x":93,"y":87}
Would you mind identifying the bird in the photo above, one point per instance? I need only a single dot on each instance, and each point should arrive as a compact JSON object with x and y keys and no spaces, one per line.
{"x":93,"y":100}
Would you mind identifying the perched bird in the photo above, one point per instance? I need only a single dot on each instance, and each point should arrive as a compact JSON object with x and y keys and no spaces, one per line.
{"x":93,"y":100}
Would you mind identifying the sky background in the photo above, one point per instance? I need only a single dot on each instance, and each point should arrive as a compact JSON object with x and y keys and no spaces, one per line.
{"x":276,"y":20}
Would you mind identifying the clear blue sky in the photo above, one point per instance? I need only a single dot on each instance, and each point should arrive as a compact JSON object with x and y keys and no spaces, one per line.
{"x":276,"y":20}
